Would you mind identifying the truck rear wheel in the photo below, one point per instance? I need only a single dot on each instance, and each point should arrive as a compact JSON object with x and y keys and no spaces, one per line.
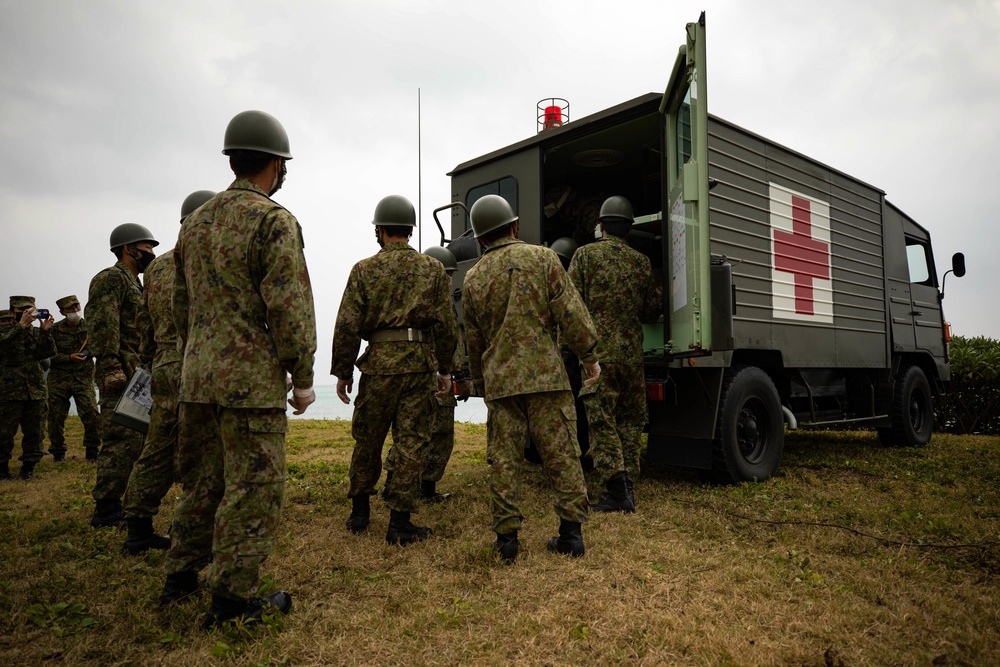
{"x":750,"y":434}
{"x":912,"y":411}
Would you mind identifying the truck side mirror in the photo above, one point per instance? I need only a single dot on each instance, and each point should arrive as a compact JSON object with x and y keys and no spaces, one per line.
{"x":958,"y":264}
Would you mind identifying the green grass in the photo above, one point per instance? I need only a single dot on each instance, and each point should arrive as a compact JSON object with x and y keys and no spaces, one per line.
{"x":852,"y":555}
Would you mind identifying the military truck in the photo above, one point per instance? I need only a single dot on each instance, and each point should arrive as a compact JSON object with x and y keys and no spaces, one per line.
{"x":794,"y":294}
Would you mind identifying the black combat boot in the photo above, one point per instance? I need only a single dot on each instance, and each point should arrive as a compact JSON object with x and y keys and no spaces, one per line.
{"x":58,"y":457}
{"x":5,"y":471}
{"x":361,"y":512}
{"x":92,"y":453}
{"x":617,"y":498}
{"x":251,"y":609}
{"x":429,"y":493}
{"x":141,"y":537}
{"x":27,"y":471}
{"x":569,"y":541}
{"x":108,"y":514}
{"x":506,"y":546}
{"x":402,"y":532}
{"x":630,"y":491}
{"x":179,"y":586}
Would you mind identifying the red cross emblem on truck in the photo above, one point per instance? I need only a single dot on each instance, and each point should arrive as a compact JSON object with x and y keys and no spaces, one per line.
{"x":801,"y":255}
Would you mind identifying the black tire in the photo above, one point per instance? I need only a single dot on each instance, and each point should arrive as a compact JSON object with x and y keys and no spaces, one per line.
{"x":750,"y":433}
{"x":912,"y":410}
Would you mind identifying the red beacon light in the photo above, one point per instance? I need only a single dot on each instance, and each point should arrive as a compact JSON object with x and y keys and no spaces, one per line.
{"x":553,"y":112}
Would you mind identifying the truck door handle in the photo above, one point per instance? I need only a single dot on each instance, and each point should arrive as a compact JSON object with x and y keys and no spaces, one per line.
{"x":916,"y":313}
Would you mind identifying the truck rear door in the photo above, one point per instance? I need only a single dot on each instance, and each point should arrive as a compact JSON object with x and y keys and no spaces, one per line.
{"x":687,"y":297}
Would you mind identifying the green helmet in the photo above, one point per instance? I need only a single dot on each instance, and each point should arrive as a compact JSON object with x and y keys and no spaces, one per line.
{"x":490,"y":212}
{"x":443,"y":255}
{"x":564,"y":246}
{"x":256,"y":131}
{"x":193,"y":201}
{"x":395,"y":210}
{"x":130,"y":232}
{"x":616,"y":208}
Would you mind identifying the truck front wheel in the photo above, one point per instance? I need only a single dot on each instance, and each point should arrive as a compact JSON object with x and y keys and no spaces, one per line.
{"x":750,"y":434}
{"x":912,"y":410}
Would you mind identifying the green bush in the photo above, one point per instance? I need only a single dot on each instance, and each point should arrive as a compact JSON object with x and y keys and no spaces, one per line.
{"x":972,"y":404}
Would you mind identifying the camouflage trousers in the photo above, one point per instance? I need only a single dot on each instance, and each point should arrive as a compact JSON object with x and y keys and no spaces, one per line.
{"x":550,"y":419}
{"x":28,"y":415}
{"x":404,"y":403}
{"x":616,"y":415}
{"x":153,"y":474}
{"x":231,"y":463}
{"x":120,"y":447}
{"x":86,"y":406}
{"x":439,"y":448}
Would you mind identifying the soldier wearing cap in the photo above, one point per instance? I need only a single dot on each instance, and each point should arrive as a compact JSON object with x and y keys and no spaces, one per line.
{"x":518,"y":299}
{"x":616,"y":283}
{"x":153,"y":472}
{"x":399,"y":301}
{"x":22,"y":384}
{"x":442,"y":440}
{"x":243,"y":309}
{"x":112,"y":308}
{"x":72,"y":376}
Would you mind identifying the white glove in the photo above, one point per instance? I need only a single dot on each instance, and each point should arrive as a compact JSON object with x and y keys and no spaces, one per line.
{"x":301,"y":399}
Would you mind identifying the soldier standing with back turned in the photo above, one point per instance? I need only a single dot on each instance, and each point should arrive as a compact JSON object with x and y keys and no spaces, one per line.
{"x":399,"y":301}
{"x":72,"y":377}
{"x":243,"y":309}
{"x":22,"y":384}
{"x":112,"y":307}
{"x":518,"y":301}
{"x":153,"y":473}
{"x":615,"y":282}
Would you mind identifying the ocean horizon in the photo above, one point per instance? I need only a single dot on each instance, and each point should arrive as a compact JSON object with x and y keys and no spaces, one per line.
{"x":328,"y":406}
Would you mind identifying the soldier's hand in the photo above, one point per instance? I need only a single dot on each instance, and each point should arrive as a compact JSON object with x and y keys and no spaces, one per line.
{"x":48,"y":322}
{"x":344,"y":387}
{"x":27,"y":317}
{"x":78,"y":357}
{"x":444,"y":385}
{"x":464,"y":390}
{"x":301,"y":399}
{"x":593,"y":372}
{"x":114,"y":381}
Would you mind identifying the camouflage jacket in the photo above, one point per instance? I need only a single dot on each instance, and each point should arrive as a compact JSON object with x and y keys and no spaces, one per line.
{"x":396,"y":288}
{"x":21,"y":376}
{"x":518,"y":301}
{"x":157,"y":333}
{"x":112,"y":306}
{"x":242,"y":301}
{"x":69,"y":340}
{"x":615,"y":281}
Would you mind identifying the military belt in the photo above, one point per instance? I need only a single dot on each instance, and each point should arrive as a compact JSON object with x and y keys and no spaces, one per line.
{"x":407,"y":335}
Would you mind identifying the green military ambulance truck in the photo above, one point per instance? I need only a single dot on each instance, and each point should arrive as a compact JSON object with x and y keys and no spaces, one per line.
{"x":794,"y":294}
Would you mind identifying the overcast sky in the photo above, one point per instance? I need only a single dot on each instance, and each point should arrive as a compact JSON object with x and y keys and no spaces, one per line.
{"x":113,"y":111}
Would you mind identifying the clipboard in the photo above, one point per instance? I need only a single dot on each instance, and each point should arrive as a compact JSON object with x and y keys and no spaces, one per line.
{"x":136,"y":402}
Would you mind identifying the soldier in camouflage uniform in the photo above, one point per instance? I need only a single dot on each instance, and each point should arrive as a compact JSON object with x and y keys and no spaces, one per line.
{"x":72,"y":376}
{"x":615,"y":282}
{"x":442,"y":440}
{"x":243,"y":309}
{"x":112,"y":308}
{"x":399,"y":301}
{"x":153,"y":473}
{"x":518,"y":300}
{"x":22,"y":384}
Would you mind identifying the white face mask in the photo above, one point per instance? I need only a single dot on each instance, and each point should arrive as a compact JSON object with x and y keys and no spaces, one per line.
{"x":74,"y":317}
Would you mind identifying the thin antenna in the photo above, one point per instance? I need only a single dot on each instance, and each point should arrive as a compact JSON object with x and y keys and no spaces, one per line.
{"x":420,"y":184}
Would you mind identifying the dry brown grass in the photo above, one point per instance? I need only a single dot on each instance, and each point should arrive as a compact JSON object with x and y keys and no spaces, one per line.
{"x":853,"y":555}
